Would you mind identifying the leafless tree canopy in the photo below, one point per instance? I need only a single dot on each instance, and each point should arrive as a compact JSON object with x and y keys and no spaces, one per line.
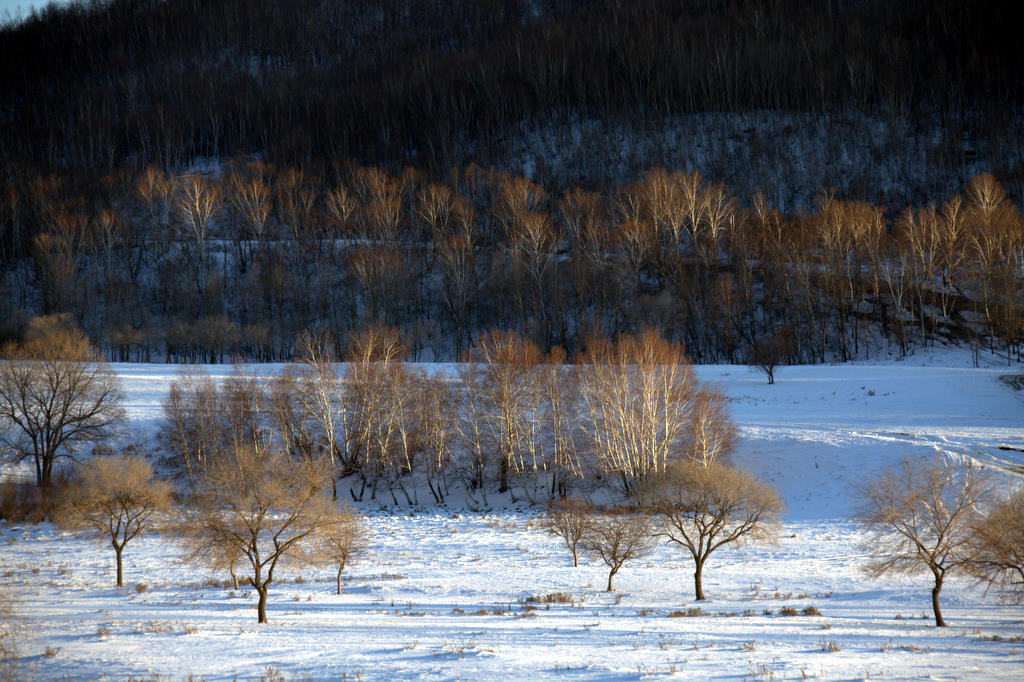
{"x":997,"y":554}
{"x":535,"y":425}
{"x":705,"y":507}
{"x":205,"y":421}
{"x":569,"y":519}
{"x":509,"y":390}
{"x":56,"y":394}
{"x":263,"y":507}
{"x":922,"y":515}
{"x":617,"y":537}
{"x":342,"y":542}
{"x":117,"y":499}
{"x":637,"y":393}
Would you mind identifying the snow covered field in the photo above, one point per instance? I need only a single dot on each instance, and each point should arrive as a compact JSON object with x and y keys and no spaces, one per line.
{"x":446,"y":594}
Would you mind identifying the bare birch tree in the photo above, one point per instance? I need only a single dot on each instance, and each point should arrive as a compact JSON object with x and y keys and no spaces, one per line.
{"x":637,"y":394}
{"x":322,"y":396}
{"x":508,"y":365}
{"x":712,"y":434}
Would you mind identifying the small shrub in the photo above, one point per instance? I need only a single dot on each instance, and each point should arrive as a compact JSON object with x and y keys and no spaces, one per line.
{"x":272,"y":674}
{"x":141,"y":587}
{"x":103,"y":631}
{"x":52,"y":652}
{"x":810,"y":611}
{"x":552,"y":598}
{"x":829,"y":645}
{"x":691,"y":612}
{"x":26,"y":502}
{"x":788,"y":611}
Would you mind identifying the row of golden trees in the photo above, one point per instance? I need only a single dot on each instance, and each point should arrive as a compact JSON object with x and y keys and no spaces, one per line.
{"x":206,"y":267}
{"x":509,"y":420}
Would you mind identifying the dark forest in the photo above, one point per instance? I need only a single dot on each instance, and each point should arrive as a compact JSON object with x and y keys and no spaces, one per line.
{"x":205,"y":180}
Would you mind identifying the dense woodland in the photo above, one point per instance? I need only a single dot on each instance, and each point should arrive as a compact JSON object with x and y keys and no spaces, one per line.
{"x":210,"y":268}
{"x":205,"y":180}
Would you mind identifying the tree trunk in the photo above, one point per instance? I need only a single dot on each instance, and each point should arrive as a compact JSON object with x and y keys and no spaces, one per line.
{"x":45,"y":474}
{"x":575,"y":559}
{"x":503,"y":475}
{"x":340,"y":569}
{"x":939,"y":622}
{"x":117,"y":555}
{"x":698,"y":581}
{"x":261,"y":605}
{"x":611,"y":574}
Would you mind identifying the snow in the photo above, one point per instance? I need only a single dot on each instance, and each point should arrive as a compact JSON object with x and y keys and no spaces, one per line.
{"x":444,"y":592}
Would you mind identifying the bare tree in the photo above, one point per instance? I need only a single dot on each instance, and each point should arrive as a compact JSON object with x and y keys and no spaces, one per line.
{"x":251,"y":199}
{"x":261,"y":506}
{"x":559,"y":399}
{"x":322,"y":395}
{"x":197,"y":203}
{"x":616,"y":538}
{"x":341,"y":542}
{"x":472,"y":435}
{"x":508,"y":364}
{"x":289,"y":417}
{"x":56,"y":393}
{"x":712,"y":434}
{"x":768,"y":352}
{"x":705,"y":507}
{"x":379,"y":391}
{"x":117,"y":499}
{"x":437,"y":423}
{"x":998,"y":547}
{"x":921,"y":515}
{"x":569,"y":519}
{"x":191,"y":428}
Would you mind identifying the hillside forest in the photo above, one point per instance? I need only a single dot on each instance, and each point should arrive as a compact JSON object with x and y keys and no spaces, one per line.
{"x":191,"y":181}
